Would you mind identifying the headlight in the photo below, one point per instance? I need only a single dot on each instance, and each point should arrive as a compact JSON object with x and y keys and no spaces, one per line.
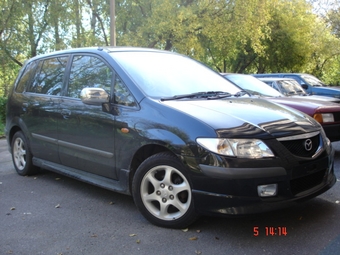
{"x":324,"y":117}
{"x":241,"y":148}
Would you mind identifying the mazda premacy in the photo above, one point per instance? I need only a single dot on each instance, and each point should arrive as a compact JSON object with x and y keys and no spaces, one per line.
{"x":166,"y":129}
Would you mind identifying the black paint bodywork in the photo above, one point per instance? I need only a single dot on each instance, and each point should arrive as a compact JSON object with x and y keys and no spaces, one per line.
{"x":90,"y":142}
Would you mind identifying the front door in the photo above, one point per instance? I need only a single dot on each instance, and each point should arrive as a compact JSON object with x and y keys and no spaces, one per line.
{"x":86,"y":133}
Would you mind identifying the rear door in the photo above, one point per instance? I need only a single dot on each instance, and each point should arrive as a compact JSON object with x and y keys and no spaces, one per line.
{"x":41,"y":107}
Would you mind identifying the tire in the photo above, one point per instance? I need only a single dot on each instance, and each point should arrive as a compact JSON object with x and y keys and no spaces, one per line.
{"x":162,"y":192}
{"x":22,"y":156}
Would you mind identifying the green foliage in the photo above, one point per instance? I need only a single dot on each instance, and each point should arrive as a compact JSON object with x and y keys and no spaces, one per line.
{"x":2,"y":129}
{"x":245,"y":36}
{"x":3,"y":101}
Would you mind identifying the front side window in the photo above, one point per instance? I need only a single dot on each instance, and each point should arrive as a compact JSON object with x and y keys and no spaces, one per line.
{"x":88,"y":72}
{"x":49,"y":80}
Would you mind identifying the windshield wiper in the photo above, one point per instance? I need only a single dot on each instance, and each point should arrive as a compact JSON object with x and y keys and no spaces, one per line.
{"x":242,"y":93}
{"x":207,"y":95}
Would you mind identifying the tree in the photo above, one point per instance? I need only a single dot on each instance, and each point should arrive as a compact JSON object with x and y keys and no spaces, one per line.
{"x":229,"y":36}
{"x":334,"y":21}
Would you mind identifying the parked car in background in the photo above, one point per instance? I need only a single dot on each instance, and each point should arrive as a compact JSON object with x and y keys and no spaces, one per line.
{"x":326,"y":113}
{"x":166,"y":129}
{"x":290,"y":87}
{"x":309,"y":83}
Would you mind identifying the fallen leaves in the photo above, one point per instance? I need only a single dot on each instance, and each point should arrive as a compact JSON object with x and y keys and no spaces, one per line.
{"x":138,"y":240}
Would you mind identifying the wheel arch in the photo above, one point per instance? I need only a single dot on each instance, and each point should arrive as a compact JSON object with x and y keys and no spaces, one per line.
{"x":142,"y":154}
{"x":17,"y":124}
{"x":11,"y":133}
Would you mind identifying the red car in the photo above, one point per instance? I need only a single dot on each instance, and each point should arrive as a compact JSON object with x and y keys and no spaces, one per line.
{"x":326,"y":113}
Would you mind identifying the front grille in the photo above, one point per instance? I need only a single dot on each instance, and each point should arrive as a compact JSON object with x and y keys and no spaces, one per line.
{"x":307,"y":182}
{"x":297,"y":147}
{"x":336,"y":116}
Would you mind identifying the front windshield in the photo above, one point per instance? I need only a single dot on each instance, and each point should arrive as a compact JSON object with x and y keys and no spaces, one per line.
{"x":313,"y":81}
{"x":162,"y":74}
{"x":291,"y":87}
{"x":253,"y":85}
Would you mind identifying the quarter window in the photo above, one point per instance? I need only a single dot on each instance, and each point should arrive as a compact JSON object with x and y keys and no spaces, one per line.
{"x":88,"y":72}
{"x":122,"y":95}
{"x":25,"y":78}
{"x":50,"y":78}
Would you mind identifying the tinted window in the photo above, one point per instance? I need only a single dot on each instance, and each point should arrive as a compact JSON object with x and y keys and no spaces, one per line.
{"x":25,"y":78}
{"x":88,"y":72}
{"x":122,"y":95}
{"x":49,"y":80}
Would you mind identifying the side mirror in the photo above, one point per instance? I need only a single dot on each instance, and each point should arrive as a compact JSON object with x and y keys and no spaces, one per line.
{"x":94,"y":96}
{"x":304,"y":86}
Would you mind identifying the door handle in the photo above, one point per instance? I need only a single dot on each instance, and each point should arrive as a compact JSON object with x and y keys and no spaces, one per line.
{"x":65,"y":113}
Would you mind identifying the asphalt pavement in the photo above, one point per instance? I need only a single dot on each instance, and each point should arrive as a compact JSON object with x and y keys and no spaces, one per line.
{"x":56,"y":215}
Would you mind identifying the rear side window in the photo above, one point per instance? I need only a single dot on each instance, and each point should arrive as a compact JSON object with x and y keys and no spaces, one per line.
{"x":49,"y":78}
{"x":25,"y":77}
{"x":88,"y":72}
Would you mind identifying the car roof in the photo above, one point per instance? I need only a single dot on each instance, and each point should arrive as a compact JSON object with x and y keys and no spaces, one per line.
{"x":274,"y":79}
{"x":277,"y":74}
{"x":107,"y":49}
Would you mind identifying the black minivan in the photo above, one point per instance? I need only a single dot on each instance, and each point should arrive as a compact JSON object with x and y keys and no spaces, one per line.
{"x":162,"y":127}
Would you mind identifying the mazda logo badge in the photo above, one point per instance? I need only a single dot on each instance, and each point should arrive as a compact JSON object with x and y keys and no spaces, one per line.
{"x":308,"y":145}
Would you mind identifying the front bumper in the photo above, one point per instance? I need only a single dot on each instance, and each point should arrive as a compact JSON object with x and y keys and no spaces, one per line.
{"x":332,"y":132}
{"x":233,"y":191}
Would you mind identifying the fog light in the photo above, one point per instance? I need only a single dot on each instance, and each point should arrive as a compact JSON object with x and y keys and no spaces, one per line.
{"x":268,"y":190}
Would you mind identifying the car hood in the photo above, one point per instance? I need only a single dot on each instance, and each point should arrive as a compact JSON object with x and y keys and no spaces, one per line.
{"x":316,"y":97}
{"x":307,"y":105}
{"x":327,"y":91}
{"x":247,"y":117}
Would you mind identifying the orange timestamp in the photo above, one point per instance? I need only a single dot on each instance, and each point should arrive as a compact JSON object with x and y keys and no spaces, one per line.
{"x":270,"y":231}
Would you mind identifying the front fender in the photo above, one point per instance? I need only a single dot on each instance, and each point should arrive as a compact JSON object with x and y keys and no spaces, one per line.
{"x":174,"y":141}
